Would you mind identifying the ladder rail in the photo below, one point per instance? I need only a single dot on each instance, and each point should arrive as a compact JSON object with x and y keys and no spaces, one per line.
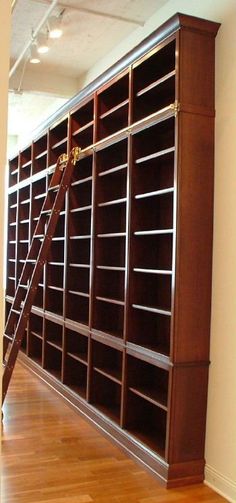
{"x":25,"y":274}
{"x":61,"y":181}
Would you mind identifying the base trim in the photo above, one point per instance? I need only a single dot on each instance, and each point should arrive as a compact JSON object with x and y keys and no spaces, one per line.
{"x":221,"y":484}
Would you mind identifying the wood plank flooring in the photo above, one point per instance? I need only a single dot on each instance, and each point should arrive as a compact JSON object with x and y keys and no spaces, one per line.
{"x":51,"y":455}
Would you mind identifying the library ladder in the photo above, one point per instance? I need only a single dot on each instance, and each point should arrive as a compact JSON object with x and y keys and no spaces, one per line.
{"x":35,"y":260}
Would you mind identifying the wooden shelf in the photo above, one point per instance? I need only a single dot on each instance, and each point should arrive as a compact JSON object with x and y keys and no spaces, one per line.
{"x":113,"y":170}
{"x":112,"y":235}
{"x":111,"y":301}
{"x":39,"y":336}
{"x":114,"y":109}
{"x":155,"y":155}
{"x":83,"y":128}
{"x":151,"y":271}
{"x":153,"y":232}
{"x":42,"y":154}
{"x":78,"y":357}
{"x":110,"y":268}
{"x":111,"y":374}
{"x":112,"y":412}
{"x":83,"y":180}
{"x":59,"y":143}
{"x":81,"y":266}
{"x":80,"y":237}
{"x":111,"y":203}
{"x":155,"y":193}
{"x":56,"y":288}
{"x":26,"y":201}
{"x":56,"y":263}
{"x":26,"y":164}
{"x":151,"y":309}
{"x":151,"y":86}
{"x":150,"y":353}
{"x":14,"y":172}
{"x":145,"y":393}
{"x":54,"y":345}
{"x":80,"y":294}
{"x":83,"y":208}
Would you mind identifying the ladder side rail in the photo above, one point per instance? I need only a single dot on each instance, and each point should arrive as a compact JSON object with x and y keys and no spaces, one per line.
{"x":41,"y":259}
{"x":32,"y":254}
{"x":55,"y":180}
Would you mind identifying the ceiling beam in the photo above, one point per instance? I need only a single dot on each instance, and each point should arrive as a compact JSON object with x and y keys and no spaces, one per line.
{"x":47,"y":82}
{"x":93,"y":12}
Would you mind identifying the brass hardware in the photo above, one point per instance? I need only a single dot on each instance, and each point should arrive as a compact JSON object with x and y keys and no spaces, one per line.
{"x":76,"y":153}
{"x":63,"y":158}
{"x":176,"y":107}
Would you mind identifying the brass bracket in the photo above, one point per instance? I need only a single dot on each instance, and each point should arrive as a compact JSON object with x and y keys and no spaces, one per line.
{"x":63,"y":158}
{"x":175,"y":107}
{"x":75,"y":152}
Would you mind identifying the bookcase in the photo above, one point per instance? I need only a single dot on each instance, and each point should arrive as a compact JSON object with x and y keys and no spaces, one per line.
{"x":121,"y":319}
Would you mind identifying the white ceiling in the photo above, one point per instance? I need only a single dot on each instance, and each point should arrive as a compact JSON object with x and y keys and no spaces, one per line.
{"x":91,"y":29}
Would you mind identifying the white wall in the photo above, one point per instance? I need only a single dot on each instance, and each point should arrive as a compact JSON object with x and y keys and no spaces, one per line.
{"x":221,"y":419}
{"x":4,"y":69}
{"x":12,"y":143}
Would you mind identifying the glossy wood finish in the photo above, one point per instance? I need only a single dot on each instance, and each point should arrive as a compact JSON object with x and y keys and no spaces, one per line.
{"x":121,"y":321}
{"x":50,"y":454}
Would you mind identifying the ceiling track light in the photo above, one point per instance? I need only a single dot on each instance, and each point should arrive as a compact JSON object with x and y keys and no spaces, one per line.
{"x":54,"y":26}
{"x":34,"y":57}
{"x":42,"y":43}
{"x":39,"y":43}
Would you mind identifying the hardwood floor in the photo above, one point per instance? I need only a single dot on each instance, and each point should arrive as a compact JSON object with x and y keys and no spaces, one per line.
{"x":51,"y":455}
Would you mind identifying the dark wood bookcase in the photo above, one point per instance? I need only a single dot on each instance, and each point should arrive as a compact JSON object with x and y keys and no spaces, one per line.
{"x":121,"y":320}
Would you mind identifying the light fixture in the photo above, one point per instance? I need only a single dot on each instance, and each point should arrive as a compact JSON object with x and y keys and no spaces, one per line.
{"x":34,"y":57}
{"x":42,"y":43}
{"x":55,"y":30}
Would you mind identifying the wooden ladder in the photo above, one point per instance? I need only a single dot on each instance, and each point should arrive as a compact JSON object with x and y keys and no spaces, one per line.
{"x":35,"y":260}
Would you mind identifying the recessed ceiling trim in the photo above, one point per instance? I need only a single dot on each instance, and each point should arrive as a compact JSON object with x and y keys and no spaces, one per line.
{"x":93,"y":12}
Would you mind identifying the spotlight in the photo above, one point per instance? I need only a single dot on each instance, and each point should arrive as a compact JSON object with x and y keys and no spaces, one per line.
{"x":55,"y":30}
{"x":34,"y":57}
{"x":42,"y":43}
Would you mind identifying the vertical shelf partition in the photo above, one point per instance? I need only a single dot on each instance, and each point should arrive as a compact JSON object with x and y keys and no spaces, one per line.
{"x":120,"y":322}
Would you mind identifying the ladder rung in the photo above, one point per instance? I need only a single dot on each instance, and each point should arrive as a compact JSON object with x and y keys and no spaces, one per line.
{"x":46,"y":212}
{"x":38,"y":236}
{"x":31,"y":260}
{"x":16,"y":311}
{"x":55,"y":188}
{"x":9,"y":337}
{"x":23,"y":286}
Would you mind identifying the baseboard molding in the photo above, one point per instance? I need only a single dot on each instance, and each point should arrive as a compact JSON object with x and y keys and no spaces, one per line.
{"x":221,"y":484}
